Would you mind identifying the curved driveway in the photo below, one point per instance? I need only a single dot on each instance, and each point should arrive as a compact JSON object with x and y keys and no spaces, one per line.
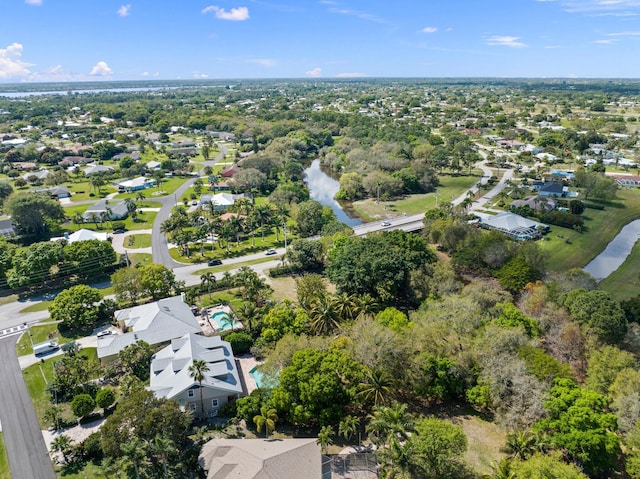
{"x":26,"y":450}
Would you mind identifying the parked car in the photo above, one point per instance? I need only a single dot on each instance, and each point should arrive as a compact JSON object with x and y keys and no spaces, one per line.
{"x":118,"y":231}
{"x":106,"y":332}
{"x":269,"y":252}
{"x":214,"y":262}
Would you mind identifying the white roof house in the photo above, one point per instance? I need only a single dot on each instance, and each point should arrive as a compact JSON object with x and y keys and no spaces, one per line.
{"x":513,"y":225}
{"x":261,"y":459}
{"x":136,"y":184}
{"x":154,"y":323}
{"x":81,"y":235}
{"x":221,"y":201}
{"x":170,"y":376}
{"x":96,"y":169}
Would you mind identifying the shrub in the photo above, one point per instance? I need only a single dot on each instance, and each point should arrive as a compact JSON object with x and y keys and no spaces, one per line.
{"x":240,"y":342}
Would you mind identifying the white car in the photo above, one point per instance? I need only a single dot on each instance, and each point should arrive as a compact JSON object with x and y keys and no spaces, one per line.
{"x":269,"y":252}
{"x":106,"y":332}
{"x":385,"y":223}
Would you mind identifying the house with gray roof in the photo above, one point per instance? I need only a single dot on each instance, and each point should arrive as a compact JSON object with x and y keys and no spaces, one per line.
{"x":114,"y":211}
{"x":515,"y":226}
{"x":261,"y":459}
{"x":171,"y":379}
{"x":91,"y":170}
{"x":155,"y":323}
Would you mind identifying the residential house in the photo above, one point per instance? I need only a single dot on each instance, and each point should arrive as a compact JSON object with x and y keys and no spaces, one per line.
{"x":628,"y":181}
{"x":153,"y":166}
{"x":155,"y":323}
{"x":135,"y":184}
{"x":74,"y":160}
{"x":7,"y":228}
{"x":81,"y":235}
{"x":114,"y":211}
{"x":56,"y":192}
{"x":39,"y":175}
{"x":262,"y":459}
{"x":537,"y":203}
{"x":97,"y":170}
{"x":229,"y":172}
{"x":515,"y":226}
{"x":552,"y":189}
{"x":134,"y":155}
{"x":171,"y":379}
{"x":221,"y":201}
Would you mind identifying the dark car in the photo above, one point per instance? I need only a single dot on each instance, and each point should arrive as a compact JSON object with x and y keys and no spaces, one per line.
{"x":214,"y":262}
{"x":118,"y":231}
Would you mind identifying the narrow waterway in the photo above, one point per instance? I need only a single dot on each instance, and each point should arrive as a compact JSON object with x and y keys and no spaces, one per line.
{"x":323,"y":188}
{"x":615,"y":253}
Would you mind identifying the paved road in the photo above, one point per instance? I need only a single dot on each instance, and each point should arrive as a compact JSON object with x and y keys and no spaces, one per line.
{"x":159,"y":245}
{"x":26,"y":450}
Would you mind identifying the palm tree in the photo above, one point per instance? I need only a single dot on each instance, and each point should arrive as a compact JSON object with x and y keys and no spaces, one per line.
{"x":163,"y":447}
{"x":324,"y":318}
{"x":132,"y":207}
{"x":236,"y":224}
{"x":376,"y":388}
{"x":208,"y":279}
{"x":345,"y":306}
{"x":521,"y":445}
{"x":401,"y":461}
{"x":325,"y":438}
{"x":503,"y":470}
{"x":249,"y":313}
{"x":63,"y":445}
{"x":140,"y":196}
{"x":197,"y":371}
{"x":366,"y":306}
{"x":267,"y":419}
{"x":348,"y":427}
{"x":133,"y":451}
{"x":387,"y":423}
{"x":263,"y":213}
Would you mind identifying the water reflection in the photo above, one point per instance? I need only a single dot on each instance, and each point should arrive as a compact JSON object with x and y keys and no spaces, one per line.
{"x":323,"y":188}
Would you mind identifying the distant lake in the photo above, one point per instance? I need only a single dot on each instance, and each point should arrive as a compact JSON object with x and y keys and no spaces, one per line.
{"x":22,"y":94}
{"x":615,"y":253}
{"x":323,"y":188}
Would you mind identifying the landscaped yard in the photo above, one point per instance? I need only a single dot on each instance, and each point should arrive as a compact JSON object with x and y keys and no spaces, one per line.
{"x":43,"y":331}
{"x":144,"y":221}
{"x":138,"y":241}
{"x":39,"y":375}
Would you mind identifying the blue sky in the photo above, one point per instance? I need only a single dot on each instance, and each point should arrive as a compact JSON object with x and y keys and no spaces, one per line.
{"x":77,"y":40}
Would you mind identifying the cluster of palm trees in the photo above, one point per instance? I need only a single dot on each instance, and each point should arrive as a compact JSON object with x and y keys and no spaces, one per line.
{"x":185,"y":228}
{"x":327,"y":312}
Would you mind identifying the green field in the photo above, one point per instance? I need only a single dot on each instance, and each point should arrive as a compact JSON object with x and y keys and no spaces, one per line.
{"x":144,"y":221}
{"x":623,"y":283}
{"x":570,"y":249}
{"x":138,"y":241}
{"x":41,"y":306}
{"x":450,"y":188}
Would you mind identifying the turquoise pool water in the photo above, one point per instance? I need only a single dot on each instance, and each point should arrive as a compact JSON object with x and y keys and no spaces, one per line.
{"x":221,"y":320}
{"x":257,"y":376}
{"x":262,"y":381}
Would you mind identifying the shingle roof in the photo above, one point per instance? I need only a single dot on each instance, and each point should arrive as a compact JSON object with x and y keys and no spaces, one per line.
{"x":154,"y":323}
{"x":262,"y":459}
{"x":170,"y":374}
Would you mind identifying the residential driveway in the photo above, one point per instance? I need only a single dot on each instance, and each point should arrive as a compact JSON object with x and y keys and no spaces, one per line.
{"x":26,"y":450}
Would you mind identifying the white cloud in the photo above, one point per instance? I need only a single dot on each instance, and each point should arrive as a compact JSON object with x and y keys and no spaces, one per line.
{"x":429,"y":30}
{"x":600,"y":7}
{"x":358,"y":14}
{"x":124,"y":10}
{"x":200,"y":76}
{"x":505,"y":41}
{"x":449,"y":29}
{"x":350,"y":75}
{"x":265,"y":62}
{"x":33,"y":2}
{"x":144,"y":74}
{"x":235,"y":14}
{"x":11,"y":64}
{"x":101,"y":69}
{"x":156,"y":74}
{"x":624,"y":34}
{"x":607,"y":41}
{"x":314,"y":72}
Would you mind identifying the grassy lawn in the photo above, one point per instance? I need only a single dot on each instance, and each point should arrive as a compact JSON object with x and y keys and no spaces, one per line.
{"x":41,"y":306}
{"x":4,"y":463}
{"x":140,"y":258}
{"x":39,"y":375}
{"x":43,"y":331}
{"x":9,"y":298}
{"x":601,"y":227}
{"x":283,"y":288}
{"x":623,"y":283}
{"x":89,"y":470}
{"x":144,"y":221}
{"x":138,"y":241}
{"x":484,"y":442}
{"x":167,"y":187}
{"x":450,"y":187}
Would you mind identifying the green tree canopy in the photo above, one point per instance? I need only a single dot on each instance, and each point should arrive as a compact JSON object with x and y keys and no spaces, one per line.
{"x":33,"y":214}
{"x":76,"y":306}
{"x":598,"y":312}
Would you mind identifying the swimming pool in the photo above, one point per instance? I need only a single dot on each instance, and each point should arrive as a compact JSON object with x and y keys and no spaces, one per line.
{"x":223,"y":321}
{"x":262,"y":380}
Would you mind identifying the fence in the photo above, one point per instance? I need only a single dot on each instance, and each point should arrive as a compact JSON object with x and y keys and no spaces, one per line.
{"x":350,"y":466}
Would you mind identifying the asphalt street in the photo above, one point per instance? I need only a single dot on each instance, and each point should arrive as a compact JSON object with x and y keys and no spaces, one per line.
{"x":26,"y":450}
